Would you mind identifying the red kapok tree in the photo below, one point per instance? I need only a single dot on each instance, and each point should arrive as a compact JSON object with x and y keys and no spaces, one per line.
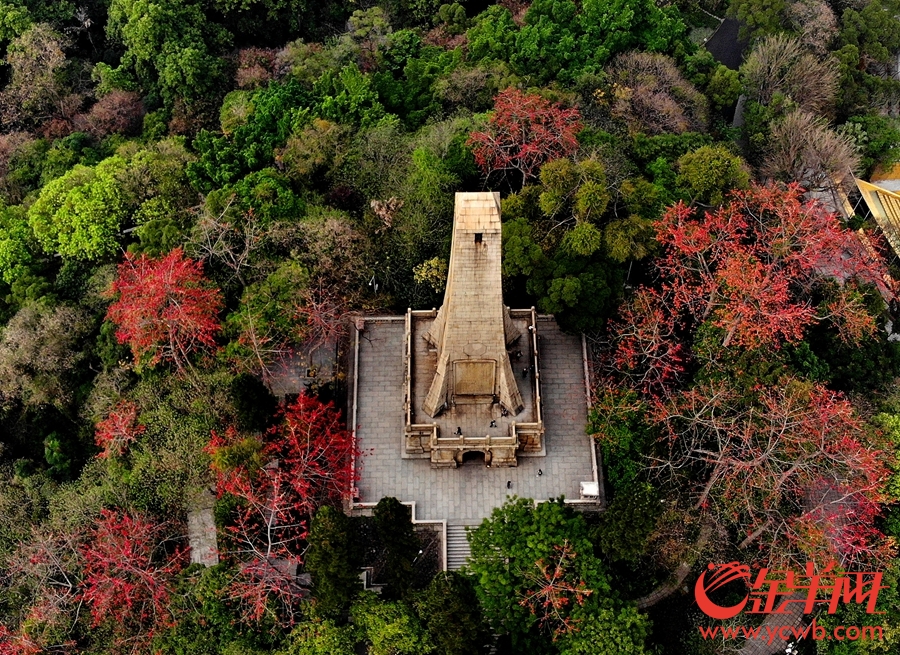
{"x":524,"y":131}
{"x":17,"y":643}
{"x":647,"y":351}
{"x":751,"y":266}
{"x":128,"y":575}
{"x":165,"y":309}
{"x":553,"y":589}
{"x":114,"y":433}
{"x":305,"y":462}
{"x":774,"y":464}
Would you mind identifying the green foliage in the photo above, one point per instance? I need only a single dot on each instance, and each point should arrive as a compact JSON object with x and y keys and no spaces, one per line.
{"x":17,"y":244}
{"x":14,"y":20}
{"x":170,"y":44}
{"x":395,"y":530}
{"x":668,"y":147}
{"x":432,"y":272}
{"x":347,"y":96}
{"x":847,"y":614}
{"x":606,"y":632}
{"x":627,"y":522}
{"x":618,"y":422}
{"x":389,"y":628}
{"x":508,"y":548}
{"x":566,"y":271}
{"x":236,"y":110}
{"x":878,"y":139}
{"x":758,"y":18}
{"x":268,"y":311}
{"x":80,"y":214}
{"x":277,"y":110}
{"x":561,"y":40}
{"x":265,"y":195}
{"x":333,"y":561}
{"x":710,"y":172}
{"x":448,"y":607}
{"x":409,"y":90}
{"x":169,"y":457}
{"x":724,"y":87}
{"x":207,"y":622}
{"x":320,"y":637}
{"x":576,"y":188}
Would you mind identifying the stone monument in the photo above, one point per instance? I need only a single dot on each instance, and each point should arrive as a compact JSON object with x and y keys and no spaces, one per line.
{"x":470,"y":377}
{"x":473,"y":327}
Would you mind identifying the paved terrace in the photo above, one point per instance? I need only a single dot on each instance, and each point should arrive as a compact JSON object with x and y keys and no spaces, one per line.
{"x":467,"y":494}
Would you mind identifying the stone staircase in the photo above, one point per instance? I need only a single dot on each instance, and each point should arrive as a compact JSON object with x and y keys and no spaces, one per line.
{"x":458,"y":550}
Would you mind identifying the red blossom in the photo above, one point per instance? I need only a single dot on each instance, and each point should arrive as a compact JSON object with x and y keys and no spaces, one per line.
{"x":128,"y":575}
{"x":524,"y":132}
{"x":647,"y":349}
{"x":554,"y":591}
{"x":764,"y":461}
{"x":119,"y":429}
{"x":304,"y":462}
{"x":165,"y":308}
{"x":750,"y":266}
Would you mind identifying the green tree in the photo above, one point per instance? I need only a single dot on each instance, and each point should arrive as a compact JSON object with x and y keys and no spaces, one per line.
{"x":333,"y":561}
{"x":80,"y":214}
{"x":517,"y":550}
{"x":710,"y":172}
{"x":205,"y":621}
{"x":320,"y":637}
{"x":389,"y":628}
{"x":14,"y":20}
{"x":347,"y":96}
{"x":17,"y":244}
{"x":401,"y":545}
{"x":758,"y":17}
{"x":627,"y":522}
{"x":448,"y":607}
{"x":170,"y":45}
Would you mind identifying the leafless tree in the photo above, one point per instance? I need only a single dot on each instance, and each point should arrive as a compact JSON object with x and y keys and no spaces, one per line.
{"x":34,"y":90}
{"x":38,"y":349}
{"x":651,"y":95}
{"x":780,"y":65}
{"x":816,"y":23}
{"x":804,"y":149}
{"x":228,"y":240}
{"x":118,"y":112}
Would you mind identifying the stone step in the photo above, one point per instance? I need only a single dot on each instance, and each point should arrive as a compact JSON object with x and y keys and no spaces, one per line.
{"x":458,"y":549}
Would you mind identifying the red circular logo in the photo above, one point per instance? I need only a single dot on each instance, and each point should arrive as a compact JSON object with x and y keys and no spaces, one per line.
{"x":724,"y":573}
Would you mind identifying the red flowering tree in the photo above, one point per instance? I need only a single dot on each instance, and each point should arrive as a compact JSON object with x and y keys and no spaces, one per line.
{"x":647,"y":350}
{"x":17,"y":643}
{"x":751,"y":266}
{"x":304,"y":462}
{"x":46,"y":572}
{"x":789,"y":468}
{"x":128,"y":573}
{"x":523,"y":132}
{"x":165,"y":308}
{"x":553,"y":589}
{"x":114,"y":433}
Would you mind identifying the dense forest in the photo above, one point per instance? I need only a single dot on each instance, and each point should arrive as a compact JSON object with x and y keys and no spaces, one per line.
{"x":190,"y":189}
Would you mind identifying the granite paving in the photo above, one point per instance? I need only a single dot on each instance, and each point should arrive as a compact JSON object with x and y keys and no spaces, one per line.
{"x":468,"y":494}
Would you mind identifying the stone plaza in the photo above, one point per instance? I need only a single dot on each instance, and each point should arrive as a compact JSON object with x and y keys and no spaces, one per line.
{"x":455,"y":410}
